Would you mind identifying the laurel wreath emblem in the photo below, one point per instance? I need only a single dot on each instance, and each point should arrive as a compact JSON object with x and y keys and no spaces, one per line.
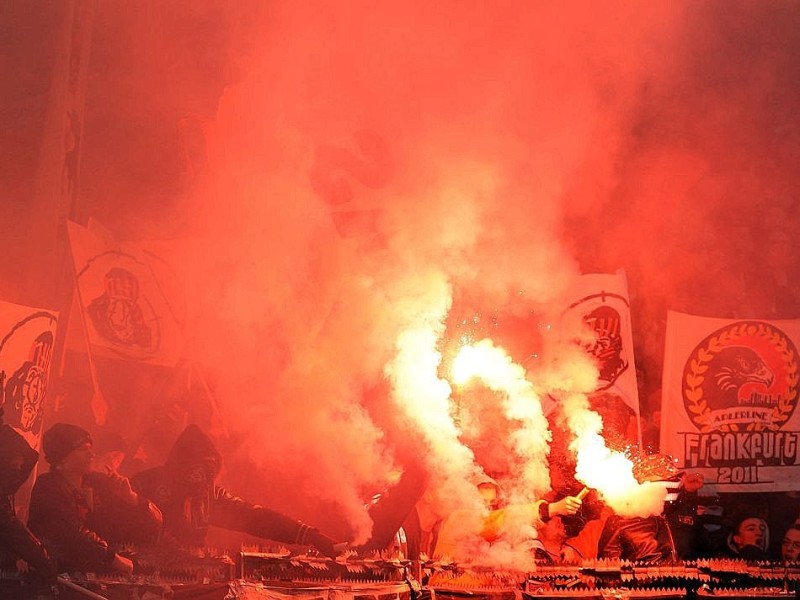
{"x":697,"y":367}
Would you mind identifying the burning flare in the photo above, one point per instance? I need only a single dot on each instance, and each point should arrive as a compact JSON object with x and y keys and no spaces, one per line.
{"x":425,"y":399}
{"x":494,"y":367}
{"x":608,"y":471}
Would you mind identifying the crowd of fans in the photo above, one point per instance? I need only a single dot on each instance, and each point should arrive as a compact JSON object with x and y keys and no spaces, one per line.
{"x":83,"y":513}
{"x":692,"y":526}
{"x":86,"y":517}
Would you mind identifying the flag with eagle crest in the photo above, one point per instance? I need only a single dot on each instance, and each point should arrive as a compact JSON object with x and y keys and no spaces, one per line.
{"x":730,"y":391}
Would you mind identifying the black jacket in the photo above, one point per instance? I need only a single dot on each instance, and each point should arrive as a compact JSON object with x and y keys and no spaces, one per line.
{"x":636,"y":539}
{"x":17,"y":460}
{"x":190,"y":510}
{"x":83,"y":528}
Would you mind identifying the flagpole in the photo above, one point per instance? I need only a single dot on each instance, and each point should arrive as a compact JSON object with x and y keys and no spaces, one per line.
{"x":62,"y":150}
{"x":193,"y":365}
{"x":211,"y":398}
{"x":98,"y":403}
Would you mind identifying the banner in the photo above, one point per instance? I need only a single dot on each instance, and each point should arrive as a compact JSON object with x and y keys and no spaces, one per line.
{"x":729,"y":397}
{"x":351,"y":182}
{"x":600,"y":315}
{"x":125,"y":313}
{"x":26,"y":349}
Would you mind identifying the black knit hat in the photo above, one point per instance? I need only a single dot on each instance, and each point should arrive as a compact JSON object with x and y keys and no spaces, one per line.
{"x":61,"y":439}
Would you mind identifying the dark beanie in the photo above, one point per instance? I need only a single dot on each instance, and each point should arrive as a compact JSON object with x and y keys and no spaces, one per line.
{"x":61,"y":439}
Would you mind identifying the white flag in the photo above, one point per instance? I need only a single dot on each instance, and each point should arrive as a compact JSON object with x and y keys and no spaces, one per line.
{"x":27,"y":336}
{"x":729,"y":397}
{"x":125,"y":311}
{"x":600,"y":311}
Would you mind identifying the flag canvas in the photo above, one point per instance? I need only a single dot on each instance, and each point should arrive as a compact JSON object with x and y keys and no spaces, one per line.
{"x":124,"y":311}
{"x":599,"y":317}
{"x":27,"y":337}
{"x":729,"y":398}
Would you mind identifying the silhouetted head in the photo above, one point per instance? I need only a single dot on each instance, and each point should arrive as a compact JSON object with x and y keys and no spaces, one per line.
{"x":194,"y":460}
{"x":68,"y":446}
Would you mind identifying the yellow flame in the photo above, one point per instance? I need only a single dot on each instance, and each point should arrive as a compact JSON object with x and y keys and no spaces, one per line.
{"x":605,"y":470}
{"x":466,"y":365}
{"x":608,"y":471}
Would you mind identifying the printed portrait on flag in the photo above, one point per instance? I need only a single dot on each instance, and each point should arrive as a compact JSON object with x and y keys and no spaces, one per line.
{"x":27,"y":336}
{"x":730,"y":393}
{"x":599,"y":314}
{"x":125,"y":312}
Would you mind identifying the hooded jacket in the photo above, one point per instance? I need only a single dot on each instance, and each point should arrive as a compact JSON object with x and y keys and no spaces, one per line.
{"x":17,"y":460}
{"x":184,"y":489}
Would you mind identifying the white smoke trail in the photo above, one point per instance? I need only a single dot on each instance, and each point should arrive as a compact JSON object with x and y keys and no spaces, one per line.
{"x":425,"y":398}
{"x":572,"y":377}
{"x":492,"y":365}
{"x":608,"y":471}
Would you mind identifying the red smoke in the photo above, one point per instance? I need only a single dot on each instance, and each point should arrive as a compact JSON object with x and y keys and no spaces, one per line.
{"x":365,"y":169}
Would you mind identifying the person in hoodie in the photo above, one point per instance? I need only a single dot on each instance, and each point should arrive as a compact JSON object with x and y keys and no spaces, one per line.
{"x":83,"y":517}
{"x":17,"y":460}
{"x":185,"y":490}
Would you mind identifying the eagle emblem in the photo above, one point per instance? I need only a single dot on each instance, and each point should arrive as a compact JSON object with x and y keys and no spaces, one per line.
{"x":744,"y":376}
{"x":729,"y":371}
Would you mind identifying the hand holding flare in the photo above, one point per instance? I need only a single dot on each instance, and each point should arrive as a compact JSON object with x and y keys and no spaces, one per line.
{"x":568,"y":505}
